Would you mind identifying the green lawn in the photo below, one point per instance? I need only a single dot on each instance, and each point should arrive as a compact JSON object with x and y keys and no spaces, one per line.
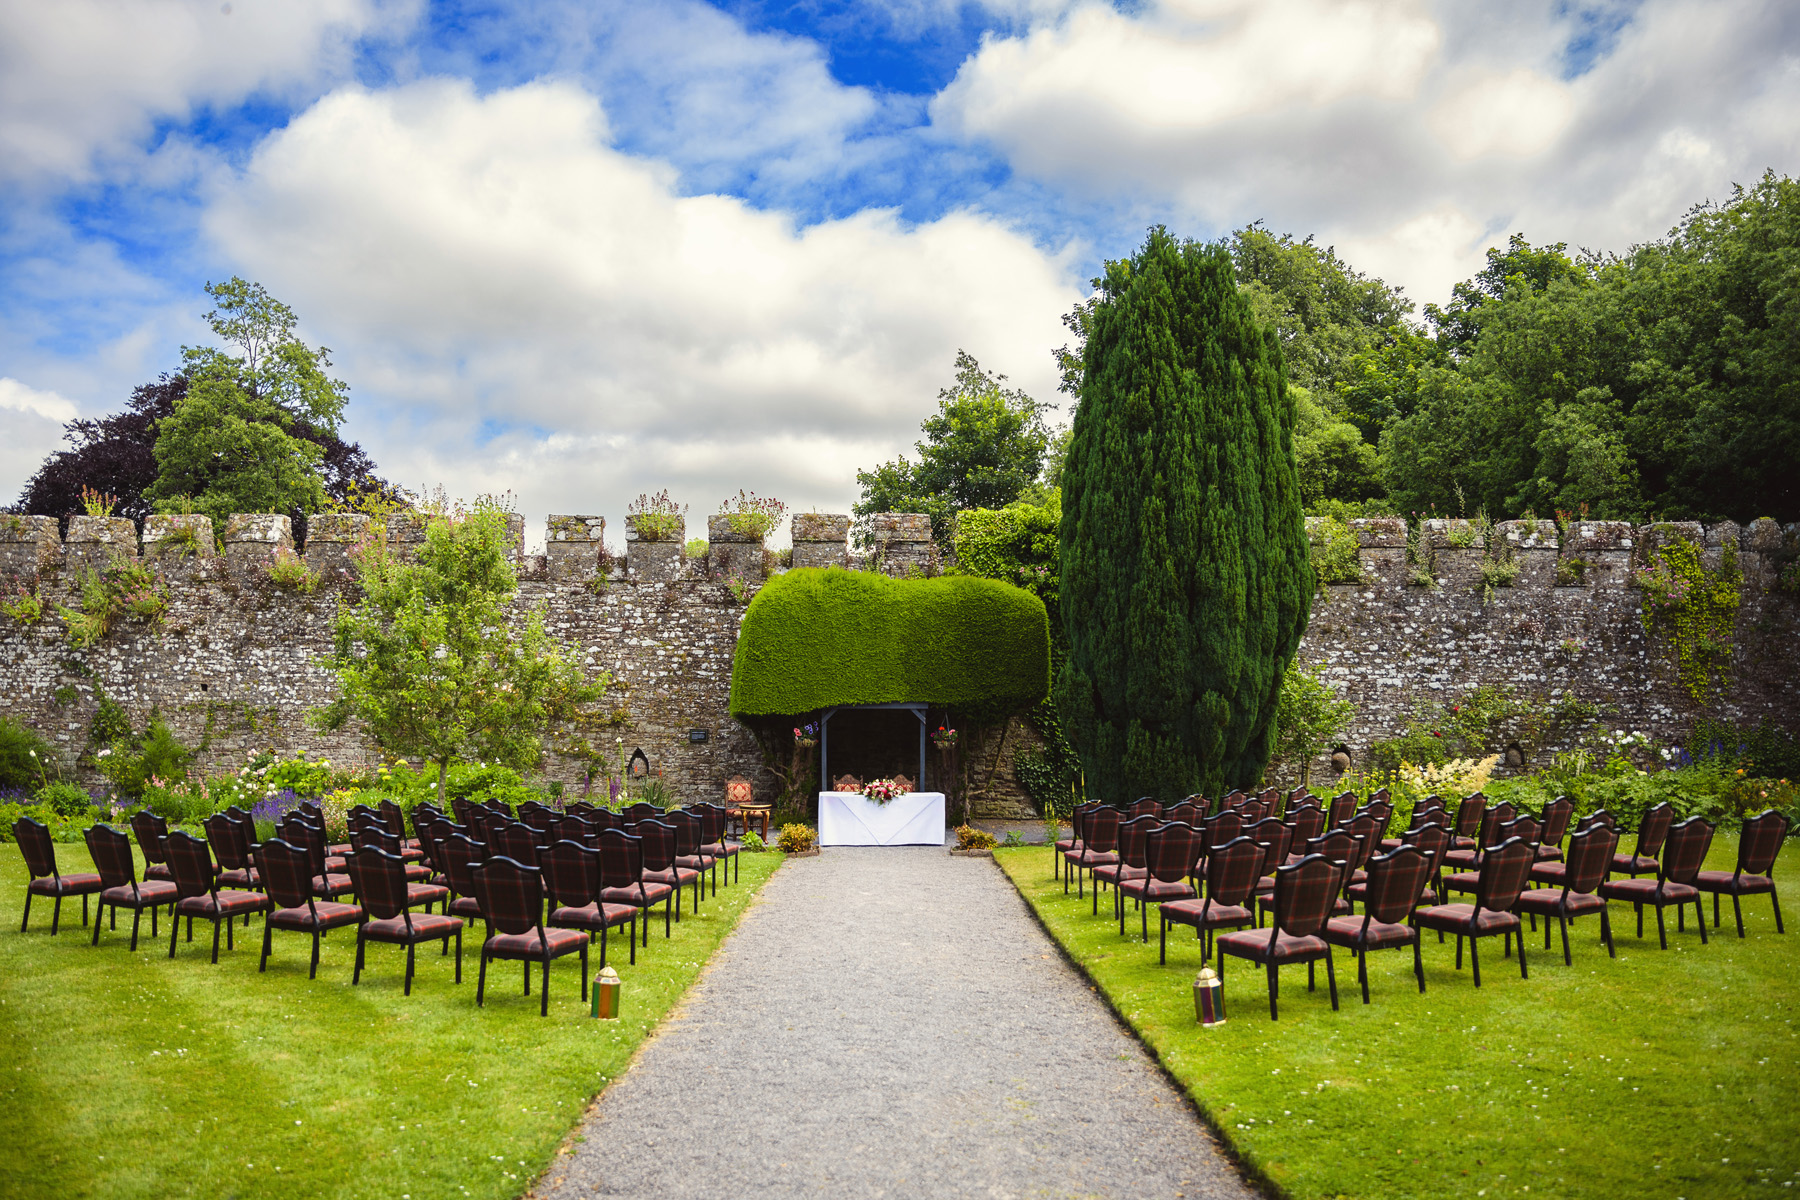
{"x":126,"y":1075}
{"x":1659,"y":1074}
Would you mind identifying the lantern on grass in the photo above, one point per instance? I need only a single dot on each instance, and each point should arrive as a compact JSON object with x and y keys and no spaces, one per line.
{"x":606,"y":993}
{"x":1209,"y":999}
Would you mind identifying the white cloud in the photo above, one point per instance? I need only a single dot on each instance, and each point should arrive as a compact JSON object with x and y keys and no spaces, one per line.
{"x":85,"y":77}
{"x":48,"y":406}
{"x":489,"y":268}
{"x":33,"y":422}
{"x":1518,"y":114}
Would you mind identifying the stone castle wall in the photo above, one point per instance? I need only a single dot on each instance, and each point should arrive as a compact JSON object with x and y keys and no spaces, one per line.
{"x":235,"y":660}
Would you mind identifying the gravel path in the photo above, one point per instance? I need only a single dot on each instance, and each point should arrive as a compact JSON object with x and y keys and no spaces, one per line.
{"x":891,"y":1022}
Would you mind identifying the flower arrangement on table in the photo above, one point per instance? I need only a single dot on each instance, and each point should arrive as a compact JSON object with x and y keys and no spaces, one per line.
{"x":944,"y":738}
{"x":883,"y":791}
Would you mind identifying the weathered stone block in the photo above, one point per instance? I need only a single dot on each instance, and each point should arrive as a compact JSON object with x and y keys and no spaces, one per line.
{"x":885,"y":528}
{"x":732,"y":552}
{"x":99,"y":542}
{"x":179,"y":536}
{"x":903,"y":543}
{"x":1453,"y":548}
{"x":1598,"y":553}
{"x":1532,"y":545}
{"x":1379,"y":533}
{"x":1763,"y":535}
{"x":637,"y":529}
{"x":1382,"y":567}
{"x":1653,"y":539}
{"x":29,"y":545}
{"x":572,"y":546}
{"x":821,"y":527}
{"x":329,"y":539}
{"x":251,"y":540}
{"x":574,"y":529}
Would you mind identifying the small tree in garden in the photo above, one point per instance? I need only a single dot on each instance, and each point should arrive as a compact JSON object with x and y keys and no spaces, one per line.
{"x":1310,"y":717}
{"x":431,"y":663}
{"x":1185,"y":576}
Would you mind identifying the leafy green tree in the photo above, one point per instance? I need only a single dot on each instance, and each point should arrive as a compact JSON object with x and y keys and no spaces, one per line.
{"x":983,"y":449}
{"x":1309,"y":719}
{"x":231,"y":443}
{"x":1520,"y":265}
{"x":1186,"y":582}
{"x":430,"y":662}
{"x":1332,"y":459}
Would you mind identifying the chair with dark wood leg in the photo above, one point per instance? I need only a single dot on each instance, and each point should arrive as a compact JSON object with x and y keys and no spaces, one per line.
{"x":387,"y":897}
{"x":39,"y":852}
{"x":287,"y":872}
{"x":1390,"y":893}
{"x":1590,"y":854}
{"x":512,"y":896}
{"x":111,"y":852}
{"x":1758,"y":844}
{"x":572,"y":877}
{"x":201,"y":895}
{"x":1684,"y":852}
{"x":1504,"y":871}
{"x":1304,"y":895}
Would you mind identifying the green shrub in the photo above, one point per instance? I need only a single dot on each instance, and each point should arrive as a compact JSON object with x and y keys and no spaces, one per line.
{"x":1334,"y":552}
{"x":752,"y":842}
{"x":27,"y":761}
{"x":1765,"y":749}
{"x":970,"y":838}
{"x":815,"y":638}
{"x":67,"y":799}
{"x":1013,"y":840}
{"x":796,"y":838}
{"x":61,"y":828}
{"x":131,"y":764}
{"x":698,"y":547}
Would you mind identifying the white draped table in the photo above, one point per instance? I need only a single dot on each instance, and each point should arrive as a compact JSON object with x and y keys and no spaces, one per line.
{"x":850,"y":819}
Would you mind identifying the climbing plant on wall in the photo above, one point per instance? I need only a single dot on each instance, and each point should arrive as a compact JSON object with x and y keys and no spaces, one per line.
{"x":1693,"y":609}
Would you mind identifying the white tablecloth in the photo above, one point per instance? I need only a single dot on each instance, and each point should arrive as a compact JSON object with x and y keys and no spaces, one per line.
{"x":848,"y":819}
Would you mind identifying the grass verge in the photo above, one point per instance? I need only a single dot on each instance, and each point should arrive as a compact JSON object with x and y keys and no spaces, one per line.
{"x":131,"y":1075}
{"x":1661,"y":1073}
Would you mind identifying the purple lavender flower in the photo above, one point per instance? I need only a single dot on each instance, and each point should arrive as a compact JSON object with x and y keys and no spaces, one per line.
{"x":612,"y":789}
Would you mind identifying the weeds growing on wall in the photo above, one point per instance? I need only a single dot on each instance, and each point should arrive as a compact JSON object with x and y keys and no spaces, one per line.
{"x":24,"y":605}
{"x":124,"y":590}
{"x":1479,"y":722}
{"x":1050,"y":776}
{"x":289,"y":571}
{"x":1693,"y":609}
{"x":1334,"y":556}
{"x":750,"y":515}
{"x":658,"y":517}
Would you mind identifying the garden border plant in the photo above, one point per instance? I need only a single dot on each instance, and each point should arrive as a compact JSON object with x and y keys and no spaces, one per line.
{"x":1693,"y":609}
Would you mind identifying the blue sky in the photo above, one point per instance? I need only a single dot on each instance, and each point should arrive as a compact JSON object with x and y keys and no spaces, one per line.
{"x":586,"y":250}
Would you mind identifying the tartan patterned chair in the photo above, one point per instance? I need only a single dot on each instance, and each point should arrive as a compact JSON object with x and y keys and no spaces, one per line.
{"x":393,"y":819}
{"x":1504,"y":870}
{"x":1518,"y":827}
{"x":1131,"y":864}
{"x":1144,"y":806}
{"x":1275,"y":837}
{"x":1382,"y":810}
{"x":295,"y":906}
{"x":111,"y":851}
{"x":201,"y":895}
{"x":512,"y":895}
{"x":515,"y":840}
{"x":1233,"y":798}
{"x":1468,"y":857}
{"x":1556,"y":816}
{"x":1169,"y":851}
{"x":714,"y":825}
{"x":1684,"y":853}
{"x":386,"y":894}
{"x":1433,"y":841}
{"x":1304,"y":894}
{"x":1077,"y":821}
{"x":622,"y":879}
{"x":690,"y":835}
{"x":237,"y":868}
{"x":1590,"y":854}
{"x":579,"y":829}
{"x":1465,"y":829}
{"x":1342,"y":806}
{"x":1366,"y":828}
{"x":1231,"y":874}
{"x":572,"y":876}
{"x":152,"y":834}
{"x":1549,"y":872}
{"x":1339,"y":847}
{"x":1758,"y":845}
{"x":418,"y":876}
{"x":1226,"y":825}
{"x":1422,"y":816}
{"x":1307,"y":823}
{"x":1390,"y":893}
{"x":545,"y":822}
{"x":460,"y":853}
{"x":1652,"y":831}
{"x":643,"y":810}
{"x":658,"y":839}
{"x":1186,"y":812}
{"x":328,"y":878}
{"x":1099,"y":846}
{"x":34,"y":841}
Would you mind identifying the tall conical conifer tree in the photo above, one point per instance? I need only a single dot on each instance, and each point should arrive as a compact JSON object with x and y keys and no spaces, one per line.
{"x":1186,"y":581}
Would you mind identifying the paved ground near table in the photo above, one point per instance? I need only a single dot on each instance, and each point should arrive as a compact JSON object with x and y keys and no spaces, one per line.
{"x":891,"y":1022}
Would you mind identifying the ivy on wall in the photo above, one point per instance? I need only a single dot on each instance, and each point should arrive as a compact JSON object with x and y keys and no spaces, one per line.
{"x":1694,"y":610}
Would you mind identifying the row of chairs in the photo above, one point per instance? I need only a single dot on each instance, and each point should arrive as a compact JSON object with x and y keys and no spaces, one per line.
{"x":1219,"y":877}
{"x":579,"y":881}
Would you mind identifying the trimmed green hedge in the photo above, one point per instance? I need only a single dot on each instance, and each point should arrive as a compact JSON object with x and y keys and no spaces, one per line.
{"x":814,"y":638}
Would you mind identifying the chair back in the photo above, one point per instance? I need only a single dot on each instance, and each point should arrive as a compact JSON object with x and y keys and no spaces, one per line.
{"x":580,"y":808}
{"x":621,"y":859}
{"x":1590,"y":856}
{"x":34,"y":841}
{"x":221,"y":835}
{"x":424,"y":813}
{"x":393,"y":818}
{"x":1145,"y":806}
{"x":1429,"y":816}
{"x":1396,"y":881}
{"x":380,"y":878}
{"x":465,"y":812}
{"x":658,"y":841}
{"x":287,"y":874}
{"x":1505,"y":869}
{"x":1684,"y":852}
{"x":1491,"y":821}
{"x":1431,"y":803}
{"x":643,"y":810}
{"x":1233,"y":798}
{"x":1186,"y":812}
{"x":111,"y":852}
{"x":1101,"y":835}
{"x":1342,"y":805}
{"x":1598,"y":817}
{"x":512,"y":894}
{"x":712,"y":824}
{"x":687,"y":831}
{"x":1307,"y":823}
{"x":517,"y":841}
{"x":527,"y":807}
{"x":1653,"y":830}
{"x":1522,"y":827}
{"x":1760,"y":842}
{"x":1232,"y":871}
{"x":1305,"y":894}
{"x":1275,"y":838}
{"x":1338,"y":846}
{"x":190,"y":864}
{"x":1170,"y":850}
{"x":459,"y":853}
{"x":1383,"y":795}
{"x":428,"y":840}
{"x":571,"y":874}
{"x":1254,"y":809}
{"x":151,"y":832}
{"x":1131,"y":838}
{"x":1079,"y":817}
{"x":1223,"y":826}
{"x":1432,"y":841}
{"x":1381,"y":810}
{"x":1367,"y":832}
{"x":1468,"y":815}
{"x":540,"y":818}
{"x":578,"y":829}
{"x":738,"y":791}
{"x":1556,"y":821}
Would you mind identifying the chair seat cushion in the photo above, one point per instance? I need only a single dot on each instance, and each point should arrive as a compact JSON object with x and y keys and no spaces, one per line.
{"x":648,"y":894}
{"x":1114,"y":872}
{"x":229,"y":903}
{"x":1549,"y":853}
{"x":1091,"y":858}
{"x":593,"y":916}
{"x":1548,"y":901}
{"x":1461,"y":859}
{"x":721,"y":849}
{"x":1066,"y":845}
{"x":159,"y":871}
{"x":1358,"y":892}
{"x":343,"y":851}
{"x":330,"y":915}
{"x":411,"y":853}
{"x":426,"y":893}
{"x":675,"y":875}
{"x":417,"y":873}
{"x":695,"y":862}
{"x":1462,"y":881}
{"x":1461,"y":918}
{"x":334,"y":862}
{"x":1549,"y":872}
{"x":1254,"y":945}
{"x":527,"y":945}
{"x":1458,"y":842}
{"x":1391,"y":843}
{"x":1156,"y":890}
{"x":1639,"y":864}
{"x":67,"y":885}
{"x":467,"y":907}
{"x":332,"y":885}
{"x":151,"y":892}
{"x":1643,"y":891}
{"x":1729,"y":882}
{"x":1196,"y":913}
{"x":1349,"y":931}
{"x":425,"y":927}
